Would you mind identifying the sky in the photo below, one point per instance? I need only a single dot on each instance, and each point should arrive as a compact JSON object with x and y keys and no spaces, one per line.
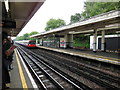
{"x":56,"y":9}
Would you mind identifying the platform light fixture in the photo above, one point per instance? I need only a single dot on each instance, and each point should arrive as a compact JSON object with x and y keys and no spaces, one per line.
{"x":6,"y":5}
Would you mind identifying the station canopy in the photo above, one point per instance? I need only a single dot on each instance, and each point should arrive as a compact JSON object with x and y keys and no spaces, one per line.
{"x":110,"y":22}
{"x":18,"y":15}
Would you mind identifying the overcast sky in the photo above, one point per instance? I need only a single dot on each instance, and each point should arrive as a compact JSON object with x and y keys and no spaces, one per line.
{"x":56,"y":9}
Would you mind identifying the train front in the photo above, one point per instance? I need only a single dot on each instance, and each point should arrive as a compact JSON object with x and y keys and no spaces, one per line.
{"x":31,"y":44}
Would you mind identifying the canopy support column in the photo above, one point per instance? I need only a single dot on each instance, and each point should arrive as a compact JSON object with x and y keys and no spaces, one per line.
{"x":103,"y":41}
{"x":94,"y":40}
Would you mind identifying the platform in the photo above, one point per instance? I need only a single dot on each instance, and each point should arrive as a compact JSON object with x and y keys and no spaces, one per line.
{"x":20,"y":75}
{"x":108,"y":57}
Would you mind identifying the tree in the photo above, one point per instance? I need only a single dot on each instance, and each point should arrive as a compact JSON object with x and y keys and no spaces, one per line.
{"x":53,"y":23}
{"x":75,"y":18}
{"x":33,"y":33}
{"x":19,"y":38}
{"x":95,"y":8}
{"x":26,"y":36}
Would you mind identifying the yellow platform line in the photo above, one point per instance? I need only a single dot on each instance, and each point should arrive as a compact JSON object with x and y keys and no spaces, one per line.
{"x":24,"y":85}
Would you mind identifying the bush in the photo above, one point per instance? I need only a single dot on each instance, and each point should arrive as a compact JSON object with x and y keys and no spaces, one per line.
{"x":82,"y":41}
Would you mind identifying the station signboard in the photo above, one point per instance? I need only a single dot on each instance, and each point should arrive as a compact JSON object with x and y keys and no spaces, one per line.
{"x":8,"y":24}
{"x":62,"y":43}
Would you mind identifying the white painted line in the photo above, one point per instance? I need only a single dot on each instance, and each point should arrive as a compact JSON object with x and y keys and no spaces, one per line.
{"x":29,"y":74}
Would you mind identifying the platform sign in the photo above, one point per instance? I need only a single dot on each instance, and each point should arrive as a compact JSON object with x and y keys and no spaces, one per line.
{"x":41,"y":42}
{"x":62,"y":43}
{"x":8,"y":24}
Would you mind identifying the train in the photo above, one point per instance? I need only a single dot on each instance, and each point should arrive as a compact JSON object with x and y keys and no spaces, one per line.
{"x":27,"y":43}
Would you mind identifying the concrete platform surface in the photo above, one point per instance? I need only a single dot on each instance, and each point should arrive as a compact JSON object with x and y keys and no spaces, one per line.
{"x":108,"y":57}
{"x":19,"y":77}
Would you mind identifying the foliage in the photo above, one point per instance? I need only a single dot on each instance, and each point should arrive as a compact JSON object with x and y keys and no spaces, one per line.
{"x":81,"y":41}
{"x":75,"y":18}
{"x":96,"y":8}
{"x":33,"y":33}
{"x":53,"y":23}
{"x":26,"y":36}
{"x":92,"y":9}
{"x":19,"y":38}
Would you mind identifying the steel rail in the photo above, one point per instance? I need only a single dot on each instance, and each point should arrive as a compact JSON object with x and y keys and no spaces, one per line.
{"x":55,"y":82}
{"x":86,"y":75}
{"x":48,"y":76}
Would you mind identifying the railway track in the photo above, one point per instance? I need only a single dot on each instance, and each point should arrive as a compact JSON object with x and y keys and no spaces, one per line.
{"x":49,"y":77}
{"x":99,"y":77}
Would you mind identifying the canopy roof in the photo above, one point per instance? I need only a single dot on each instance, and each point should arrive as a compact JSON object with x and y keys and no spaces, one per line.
{"x":20,"y":13}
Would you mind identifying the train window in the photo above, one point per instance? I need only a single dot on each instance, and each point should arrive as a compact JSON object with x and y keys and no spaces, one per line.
{"x":32,"y":42}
